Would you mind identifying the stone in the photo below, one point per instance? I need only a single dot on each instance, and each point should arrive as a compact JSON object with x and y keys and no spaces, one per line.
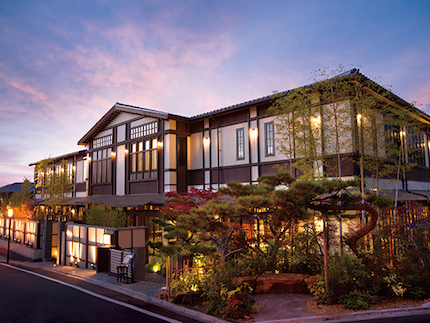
{"x":282,"y":282}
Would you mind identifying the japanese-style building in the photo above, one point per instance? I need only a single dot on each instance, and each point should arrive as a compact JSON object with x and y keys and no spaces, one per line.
{"x":135,"y":155}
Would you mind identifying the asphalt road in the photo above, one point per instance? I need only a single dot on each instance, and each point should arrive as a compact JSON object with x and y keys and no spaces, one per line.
{"x":41,"y":296}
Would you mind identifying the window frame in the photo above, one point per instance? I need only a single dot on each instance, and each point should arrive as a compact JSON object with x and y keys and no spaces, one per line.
{"x":269,"y":139}
{"x":240,"y":143}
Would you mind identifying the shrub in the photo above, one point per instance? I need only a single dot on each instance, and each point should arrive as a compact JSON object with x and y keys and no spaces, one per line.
{"x":348,"y":278}
{"x":355,"y":300}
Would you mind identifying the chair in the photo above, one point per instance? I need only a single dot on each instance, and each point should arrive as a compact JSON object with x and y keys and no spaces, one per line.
{"x":124,"y":269}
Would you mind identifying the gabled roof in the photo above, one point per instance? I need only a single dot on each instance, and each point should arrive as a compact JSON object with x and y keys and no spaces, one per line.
{"x":353,"y":74}
{"x":13,"y":188}
{"x":113,"y":113}
{"x":65,"y":156}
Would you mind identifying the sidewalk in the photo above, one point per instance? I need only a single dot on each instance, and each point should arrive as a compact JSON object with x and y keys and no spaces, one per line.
{"x":273,"y":308}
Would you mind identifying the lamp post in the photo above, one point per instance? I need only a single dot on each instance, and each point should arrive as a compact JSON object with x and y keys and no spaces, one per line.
{"x":9,"y":215}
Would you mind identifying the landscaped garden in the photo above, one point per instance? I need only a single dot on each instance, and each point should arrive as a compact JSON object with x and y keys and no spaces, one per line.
{"x":243,"y":240}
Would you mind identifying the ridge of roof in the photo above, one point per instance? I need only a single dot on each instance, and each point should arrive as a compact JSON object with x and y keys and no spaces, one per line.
{"x":353,"y":71}
{"x":350,"y":73}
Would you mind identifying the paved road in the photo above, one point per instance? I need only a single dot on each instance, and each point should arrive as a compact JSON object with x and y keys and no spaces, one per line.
{"x":41,"y":296}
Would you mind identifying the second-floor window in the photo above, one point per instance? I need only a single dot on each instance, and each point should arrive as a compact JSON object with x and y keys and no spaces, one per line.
{"x":144,"y":130}
{"x":143,"y":159}
{"x":240,"y":143}
{"x":102,"y":166}
{"x":102,"y":141}
{"x":269,"y":129}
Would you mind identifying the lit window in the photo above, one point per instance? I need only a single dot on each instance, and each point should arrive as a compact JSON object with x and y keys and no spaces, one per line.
{"x":144,"y":130}
{"x":240,"y":145}
{"x":269,"y":129}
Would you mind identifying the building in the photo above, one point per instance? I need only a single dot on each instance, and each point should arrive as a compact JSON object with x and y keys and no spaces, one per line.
{"x":134,"y":155}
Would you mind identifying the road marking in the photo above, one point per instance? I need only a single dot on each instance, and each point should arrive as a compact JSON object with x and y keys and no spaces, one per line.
{"x":132,"y":307}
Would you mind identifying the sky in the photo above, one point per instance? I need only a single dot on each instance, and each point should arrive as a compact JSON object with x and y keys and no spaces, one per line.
{"x":64,"y":64}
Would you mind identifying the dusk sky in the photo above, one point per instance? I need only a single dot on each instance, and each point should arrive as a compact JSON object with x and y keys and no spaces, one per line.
{"x":64,"y":64}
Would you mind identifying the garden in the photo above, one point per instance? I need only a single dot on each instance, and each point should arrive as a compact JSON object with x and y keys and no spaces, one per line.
{"x":242,"y":233}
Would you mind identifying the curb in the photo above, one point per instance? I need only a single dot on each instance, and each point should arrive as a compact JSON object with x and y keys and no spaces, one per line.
{"x":361,"y":316}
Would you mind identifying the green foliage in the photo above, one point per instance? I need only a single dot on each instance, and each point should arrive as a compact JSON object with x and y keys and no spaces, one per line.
{"x":99,"y":215}
{"x":381,"y":202}
{"x":355,"y":300}
{"x":55,"y":185}
{"x":348,"y":277}
{"x":18,"y":198}
{"x":157,"y":265}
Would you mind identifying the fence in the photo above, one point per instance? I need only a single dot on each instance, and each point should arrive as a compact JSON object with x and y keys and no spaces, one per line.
{"x":80,"y":243}
{"x":184,"y":263}
{"x":26,"y":234}
{"x":403,"y":226}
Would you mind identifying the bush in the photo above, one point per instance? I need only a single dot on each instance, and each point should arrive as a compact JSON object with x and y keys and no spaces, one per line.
{"x":348,"y":278}
{"x":355,"y":300}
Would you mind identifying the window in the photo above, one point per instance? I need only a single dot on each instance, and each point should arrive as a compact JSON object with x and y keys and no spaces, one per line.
{"x":416,"y":147}
{"x":144,"y":130}
{"x":240,"y":145}
{"x":269,"y":129}
{"x":102,"y":166}
{"x":102,"y":142}
{"x":143,"y":159}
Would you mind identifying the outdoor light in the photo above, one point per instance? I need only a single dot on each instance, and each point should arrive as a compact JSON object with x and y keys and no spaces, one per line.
{"x":206,"y":141}
{"x":113,"y":154}
{"x":359,"y":118}
{"x":126,"y":151}
{"x":316,"y":121}
{"x":160,"y":144}
{"x":9,"y":214}
{"x":253,"y":132}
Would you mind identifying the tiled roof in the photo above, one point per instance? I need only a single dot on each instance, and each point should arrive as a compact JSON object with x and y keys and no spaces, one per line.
{"x":348,"y":74}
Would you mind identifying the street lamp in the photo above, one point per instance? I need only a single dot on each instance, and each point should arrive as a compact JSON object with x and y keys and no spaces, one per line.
{"x":9,"y":215}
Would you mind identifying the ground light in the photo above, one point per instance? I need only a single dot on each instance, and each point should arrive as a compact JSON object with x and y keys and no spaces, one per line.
{"x":9,"y":215}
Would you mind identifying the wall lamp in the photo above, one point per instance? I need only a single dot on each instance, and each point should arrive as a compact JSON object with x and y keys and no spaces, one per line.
{"x":253,"y":132}
{"x":206,"y":141}
{"x":160,"y":144}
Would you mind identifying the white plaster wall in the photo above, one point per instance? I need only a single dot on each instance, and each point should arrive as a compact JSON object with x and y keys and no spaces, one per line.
{"x":207,"y":148}
{"x":121,"y":133}
{"x":104,"y":133}
{"x":207,"y":177}
{"x":196,"y":151}
{"x":262,"y":137}
{"x":214,"y":147}
{"x":170,"y":125}
{"x":228,"y":144}
{"x":254,"y":174}
{"x":253,"y":139}
{"x":122,"y":117}
{"x":170,"y":181}
{"x":170,"y":151}
{"x":141,"y":122}
{"x":120,"y":170}
{"x":80,"y":171}
{"x":345,"y":119}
